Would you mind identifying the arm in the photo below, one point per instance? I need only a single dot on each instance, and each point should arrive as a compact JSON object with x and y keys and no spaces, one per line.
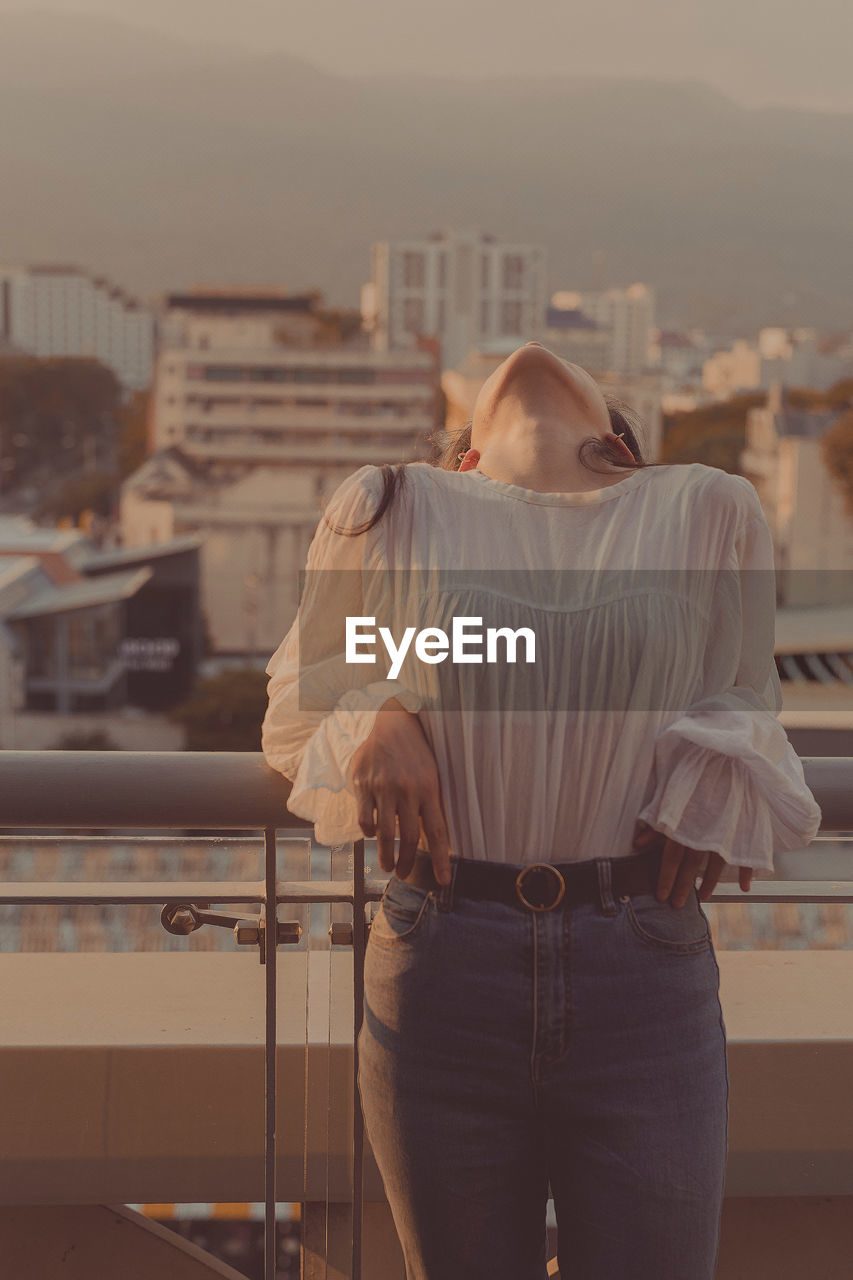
{"x":729,"y":787}
{"x":350,"y":744}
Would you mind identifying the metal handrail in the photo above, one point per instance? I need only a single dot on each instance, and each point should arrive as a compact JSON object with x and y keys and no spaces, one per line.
{"x":222,"y":791}
{"x":225,"y":790}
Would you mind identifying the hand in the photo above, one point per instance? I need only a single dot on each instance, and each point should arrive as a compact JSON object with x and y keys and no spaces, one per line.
{"x":680,"y":866}
{"x":396,"y":781}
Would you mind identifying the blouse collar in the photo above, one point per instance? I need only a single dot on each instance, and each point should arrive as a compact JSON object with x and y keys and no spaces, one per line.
{"x":580,"y":499}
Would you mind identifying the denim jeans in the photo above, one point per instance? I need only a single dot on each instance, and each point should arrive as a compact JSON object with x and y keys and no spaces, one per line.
{"x":504,"y":1052}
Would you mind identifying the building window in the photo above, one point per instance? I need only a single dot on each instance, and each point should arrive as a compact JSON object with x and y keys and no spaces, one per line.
{"x":413,"y":270}
{"x":485,"y":271}
{"x":513,"y":271}
{"x":41,"y":647}
{"x":413,"y":315}
{"x":511,"y":318}
{"x":442,"y":269}
{"x":485,"y":316}
{"x":441,"y":316}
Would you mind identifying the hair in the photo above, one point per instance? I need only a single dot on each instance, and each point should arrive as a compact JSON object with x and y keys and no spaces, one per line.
{"x":449,"y":447}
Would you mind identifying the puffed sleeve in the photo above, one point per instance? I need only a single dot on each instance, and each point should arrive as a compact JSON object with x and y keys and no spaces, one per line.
{"x":321,"y":708}
{"x":726,"y":778}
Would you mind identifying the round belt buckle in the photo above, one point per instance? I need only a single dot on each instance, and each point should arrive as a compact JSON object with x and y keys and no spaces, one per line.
{"x":546,"y":895}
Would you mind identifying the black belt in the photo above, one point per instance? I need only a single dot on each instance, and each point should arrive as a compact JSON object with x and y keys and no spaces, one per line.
{"x":542,"y":885}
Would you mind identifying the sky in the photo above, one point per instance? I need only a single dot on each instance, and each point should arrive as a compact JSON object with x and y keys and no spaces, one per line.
{"x":780,"y":52}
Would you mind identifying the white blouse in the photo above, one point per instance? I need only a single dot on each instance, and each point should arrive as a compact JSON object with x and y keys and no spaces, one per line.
{"x":653,"y":695}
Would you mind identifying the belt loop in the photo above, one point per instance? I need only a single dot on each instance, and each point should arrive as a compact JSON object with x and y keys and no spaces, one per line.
{"x":445,"y":893}
{"x":605,"y":887}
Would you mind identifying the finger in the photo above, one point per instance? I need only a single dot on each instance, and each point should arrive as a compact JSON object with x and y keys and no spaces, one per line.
{"x":670,"y":861}
{"x":386,"y":810}
{"x":713,"y":871}
{"x":366,"y":811}
{"x":745,"y":878}
{"x":437,"y":838}
{"x":643,"y":834}
{"x":686,"y":878}
{"x":407,"y":816}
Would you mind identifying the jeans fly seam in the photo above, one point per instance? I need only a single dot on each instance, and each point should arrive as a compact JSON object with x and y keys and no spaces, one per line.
{"x":535,"y":926}
{"x":569,"y":973}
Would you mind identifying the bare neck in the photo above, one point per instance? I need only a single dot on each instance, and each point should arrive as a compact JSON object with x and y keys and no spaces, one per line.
{"x":542,"y":454}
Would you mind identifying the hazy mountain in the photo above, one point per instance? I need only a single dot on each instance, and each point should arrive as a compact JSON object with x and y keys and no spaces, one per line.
{"x":163,"y":164}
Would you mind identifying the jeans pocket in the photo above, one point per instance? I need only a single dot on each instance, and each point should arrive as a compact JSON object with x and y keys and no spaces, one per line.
{"x":683,"y":930}
{"x":402,"y":912}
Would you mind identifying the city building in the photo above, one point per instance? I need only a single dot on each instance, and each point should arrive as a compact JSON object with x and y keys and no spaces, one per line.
{"x":778,"y":357}
{"x":94,"y":640}
{"x":461,"y":287}
{"x":257,"y":416}
{"x":804,"y":505}
{"x":570,"y":333}
{"x":254,"y":532}
{"x":64,"y":311}
{"x":725,"y":373}
{"x":244,"y":380}
{"x":641,"y":391}
{"x":628,"y":315}
{"x":804,"y":358}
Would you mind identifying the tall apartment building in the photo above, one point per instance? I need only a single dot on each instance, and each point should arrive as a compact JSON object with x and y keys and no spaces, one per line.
{"x":804,"y":505}
{"x":64,"y":311}
{"x":254,"y":424}
{"x":628,"y":315}
{"x":462,"y":287}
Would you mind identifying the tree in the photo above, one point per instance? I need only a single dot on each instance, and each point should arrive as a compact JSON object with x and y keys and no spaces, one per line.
{"x":225,"y":712}
{"x":133,"y":433}
{"x":57,"y":416}
{"x":337,"y":325}
{"x":837,"y":448}
{"x":714,"y":434}
{"x":94,"y":491}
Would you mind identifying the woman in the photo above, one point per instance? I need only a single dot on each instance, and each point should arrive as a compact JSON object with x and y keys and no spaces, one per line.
{"x":542,"y":1002}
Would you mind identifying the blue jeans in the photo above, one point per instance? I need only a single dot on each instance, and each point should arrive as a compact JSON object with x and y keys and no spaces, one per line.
{"x":505,"y":1051}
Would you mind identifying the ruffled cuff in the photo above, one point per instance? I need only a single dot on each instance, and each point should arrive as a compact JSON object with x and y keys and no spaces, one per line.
{"x":322,"y":791}
{"x":728,"y":780}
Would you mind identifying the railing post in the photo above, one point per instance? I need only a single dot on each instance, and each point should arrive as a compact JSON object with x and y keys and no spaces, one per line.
{"x":270,"y":956}
{"x":358,"y":949}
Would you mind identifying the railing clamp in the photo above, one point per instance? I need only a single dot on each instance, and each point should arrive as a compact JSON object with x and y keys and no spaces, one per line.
{"x":340,"y":933}
{"x":183,"y":918}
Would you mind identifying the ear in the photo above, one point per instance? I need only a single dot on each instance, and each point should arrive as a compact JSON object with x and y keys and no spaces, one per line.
{"x":619,"y":445}
{"x":471,"y":460}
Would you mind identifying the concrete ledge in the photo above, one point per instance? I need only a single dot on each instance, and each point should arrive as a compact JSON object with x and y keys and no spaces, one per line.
{"x":139,"y":1078}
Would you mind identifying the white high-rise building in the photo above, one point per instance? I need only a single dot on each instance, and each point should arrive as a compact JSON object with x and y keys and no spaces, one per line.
{"x":464,"y":288}
{"x":63,"y":311}
{"x":629,"y":317}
